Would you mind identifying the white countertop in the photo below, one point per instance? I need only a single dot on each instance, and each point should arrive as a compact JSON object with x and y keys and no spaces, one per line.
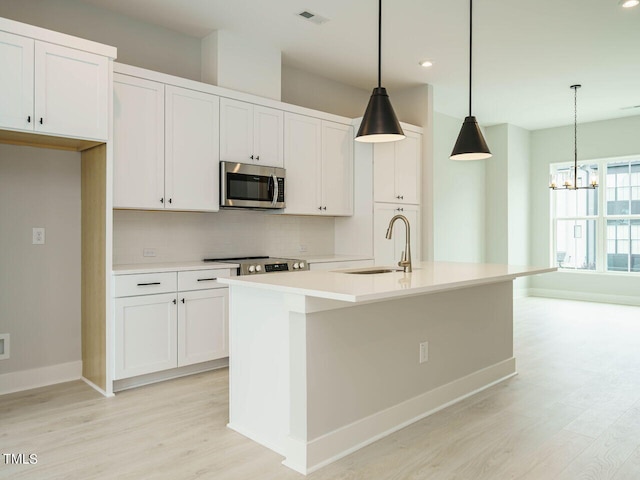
{"x":169,"y":267}
{"x":329,"y":258}
{"x":427,"y":277}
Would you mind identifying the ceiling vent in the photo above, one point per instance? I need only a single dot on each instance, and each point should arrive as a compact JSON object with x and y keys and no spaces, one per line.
{"x":313,"y":17}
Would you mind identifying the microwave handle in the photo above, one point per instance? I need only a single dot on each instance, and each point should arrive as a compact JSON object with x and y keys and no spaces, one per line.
{"x":275,"y":190}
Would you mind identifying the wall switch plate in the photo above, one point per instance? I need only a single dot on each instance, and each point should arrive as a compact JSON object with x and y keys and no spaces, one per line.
{"x":38,"y":236}
{"x":424,"y":352}
{"x":148,"y":252}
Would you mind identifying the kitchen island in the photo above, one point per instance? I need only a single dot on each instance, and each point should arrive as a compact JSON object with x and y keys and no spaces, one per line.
{"x":323,"y":363}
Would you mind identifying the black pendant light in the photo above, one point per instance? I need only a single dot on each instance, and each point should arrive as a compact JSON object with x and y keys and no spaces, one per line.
{"x":379,"y":123}
{"x":470,"y":144}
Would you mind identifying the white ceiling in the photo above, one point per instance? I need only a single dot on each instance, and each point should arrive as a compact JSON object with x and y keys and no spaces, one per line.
{"x":526,"y":53}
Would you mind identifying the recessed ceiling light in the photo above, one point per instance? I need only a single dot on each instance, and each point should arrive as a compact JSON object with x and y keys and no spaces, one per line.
{"x":426,"y":63}
{"x":629,"y":3}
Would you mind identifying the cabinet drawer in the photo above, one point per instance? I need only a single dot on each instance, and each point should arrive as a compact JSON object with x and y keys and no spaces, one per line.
{"x":145,"y":284}
{"x":202,"y":279}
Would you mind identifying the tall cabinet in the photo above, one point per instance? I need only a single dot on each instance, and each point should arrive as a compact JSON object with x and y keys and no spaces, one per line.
{"x":397,"y":175}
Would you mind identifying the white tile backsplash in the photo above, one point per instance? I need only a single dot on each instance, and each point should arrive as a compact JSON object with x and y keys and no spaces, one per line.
{"x":188,"y":236}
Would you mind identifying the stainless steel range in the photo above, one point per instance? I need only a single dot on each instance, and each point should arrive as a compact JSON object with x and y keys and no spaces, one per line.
{"x":259,"y":265}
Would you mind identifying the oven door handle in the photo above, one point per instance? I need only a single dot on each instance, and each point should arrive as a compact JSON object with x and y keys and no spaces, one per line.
{"x":276,"y":191}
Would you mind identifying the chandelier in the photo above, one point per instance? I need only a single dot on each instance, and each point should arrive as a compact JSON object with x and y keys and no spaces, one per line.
{"x":571,"y":182}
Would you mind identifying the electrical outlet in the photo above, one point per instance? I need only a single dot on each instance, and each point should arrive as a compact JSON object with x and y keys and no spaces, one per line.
{"x":4,"y":346}
{"x":424,"y":352}
{"x":148,"y":252}
{"x":38,"y":236}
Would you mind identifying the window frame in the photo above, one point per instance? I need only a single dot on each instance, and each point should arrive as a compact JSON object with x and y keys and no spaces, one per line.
{"x":601,"y":218}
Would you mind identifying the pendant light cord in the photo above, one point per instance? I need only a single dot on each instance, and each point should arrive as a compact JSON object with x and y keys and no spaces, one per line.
{"x":379,"y":43}
{"x":575,"y":133}
{"x":470,"y":48}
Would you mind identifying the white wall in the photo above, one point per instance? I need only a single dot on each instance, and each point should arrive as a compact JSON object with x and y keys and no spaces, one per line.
{"x":187,"y":236}
{"x":497,"y":195}
{"x":609,"y":138}
{"x":458,"y":198}
{"x":234,"y":61}
{"x":320,"y":93}
{"x":39,"y":284}
{"x":140,"y":44}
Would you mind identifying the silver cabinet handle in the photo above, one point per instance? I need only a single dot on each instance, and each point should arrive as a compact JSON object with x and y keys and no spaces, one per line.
{"x":276,"y":190}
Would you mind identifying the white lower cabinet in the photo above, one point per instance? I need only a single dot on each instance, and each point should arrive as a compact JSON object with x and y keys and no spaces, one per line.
{"x":187,"y":324}
{"x":202,"y":326}
{"x":146,"y":334}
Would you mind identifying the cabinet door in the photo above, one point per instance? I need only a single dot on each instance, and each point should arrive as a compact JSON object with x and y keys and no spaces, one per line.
{"x":146,"y":334}
{"x":268,"y":124}
{"x":384,"y":172}
{"x":388,"y":252}
{"x":408,"y":158}
{"x":138,"y":143}
{"x":236,"y":131}
{"x":16,"y":82}
{"x":202,"y":326}
{"x":302,"y":158}
{"x":337,"y":168}
{"x":71,"y":92}
{"x":191,"y":150}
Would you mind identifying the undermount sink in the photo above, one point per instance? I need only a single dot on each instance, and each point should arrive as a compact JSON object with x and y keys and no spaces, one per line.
{"x":372,"y":271}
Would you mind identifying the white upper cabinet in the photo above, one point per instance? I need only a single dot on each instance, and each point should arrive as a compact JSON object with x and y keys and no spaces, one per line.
{"x":397,"y":172}
{"x":251,"y":133}
{"x":16,"y":82}
{"x":71,"y":92}
{"x":337,"y":168}
{"x":138,"y":143}
{"x":319,"y":163}
{"x":191,"y":149}
{"x":303,"y":153}
{"x":52,"y":89}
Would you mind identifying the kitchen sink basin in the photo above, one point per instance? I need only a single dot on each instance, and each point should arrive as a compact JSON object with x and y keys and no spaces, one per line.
{"x":372,"y":271}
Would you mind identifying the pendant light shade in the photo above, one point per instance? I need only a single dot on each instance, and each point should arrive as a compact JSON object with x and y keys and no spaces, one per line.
{"x":379,"y":123}
{"x":470,"y":144}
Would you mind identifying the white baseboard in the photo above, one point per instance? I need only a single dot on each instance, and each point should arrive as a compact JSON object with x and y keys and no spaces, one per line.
{"x":321,"y":451}
{"x":585,"y":296}
{"x":40,"y":377}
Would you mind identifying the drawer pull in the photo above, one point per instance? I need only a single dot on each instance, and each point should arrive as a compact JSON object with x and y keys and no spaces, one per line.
{"x":148,"y":284}
{"x":207,"y":279}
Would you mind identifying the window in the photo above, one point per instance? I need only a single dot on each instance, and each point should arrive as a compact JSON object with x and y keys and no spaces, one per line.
{"x":598,"y":230}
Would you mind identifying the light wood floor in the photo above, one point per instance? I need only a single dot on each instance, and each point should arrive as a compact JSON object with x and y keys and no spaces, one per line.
{"x":573,"y":412}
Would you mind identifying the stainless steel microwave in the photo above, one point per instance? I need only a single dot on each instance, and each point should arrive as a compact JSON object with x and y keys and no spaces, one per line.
{"x":251,"y":186}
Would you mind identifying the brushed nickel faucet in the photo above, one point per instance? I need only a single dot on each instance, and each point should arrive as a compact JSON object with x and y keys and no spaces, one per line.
{"x":405,"y":259}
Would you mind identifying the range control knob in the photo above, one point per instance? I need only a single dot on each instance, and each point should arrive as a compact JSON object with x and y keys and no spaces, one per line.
{"x":301,"y":264}
{"x":296,"y":266}
{"x":252,"y":268}
{"x":258,"y":268}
